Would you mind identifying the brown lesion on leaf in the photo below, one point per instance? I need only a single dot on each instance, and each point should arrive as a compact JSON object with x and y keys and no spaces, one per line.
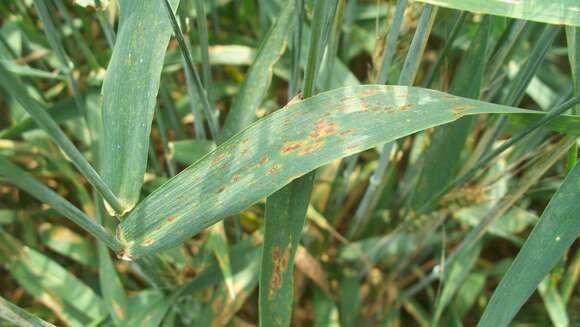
{"x":148,"y":242}
{"x":118,"y":310}
{"x":262,"y":162}
{"x":405,"y":107}
{"x":449,"y":97}
{"x":171,"y":219}
{"x":274,"y":168}
{"x":460,"y":110}
{"x":290,"y":146}
{"x":311,"y":148}
{"x":347,"y":99}
{"x":244,"y":152}
{"x":219,"y":158}
{"x":347,"y":132}
{"x":346,"y":107}
{"x":368,"y":92}
{"x":280,"y":266}
{"x":216,"y":305}
{"x":245,"y":141}
{"x":323,"y":128}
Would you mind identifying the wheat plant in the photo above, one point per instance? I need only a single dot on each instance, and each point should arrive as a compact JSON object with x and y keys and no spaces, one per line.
{"x":298,"y":162}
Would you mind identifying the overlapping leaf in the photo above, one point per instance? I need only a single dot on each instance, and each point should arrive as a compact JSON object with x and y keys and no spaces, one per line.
{"x":129,"y":95}
{"x":553,"y":12}
{"x":300,"y":138}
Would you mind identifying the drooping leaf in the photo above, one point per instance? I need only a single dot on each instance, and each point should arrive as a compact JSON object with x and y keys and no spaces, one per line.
{"x":552,"y":12}
{"x":129,"y":95}
{"x":308,"y":135}
{"x":551,"y":237}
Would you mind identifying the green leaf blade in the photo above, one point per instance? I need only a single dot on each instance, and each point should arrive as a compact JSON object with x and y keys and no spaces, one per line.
{"x":309,"y":134}
{"x":555,"y":232}
{"x":560,"y":12}
{"x":129,"y":95}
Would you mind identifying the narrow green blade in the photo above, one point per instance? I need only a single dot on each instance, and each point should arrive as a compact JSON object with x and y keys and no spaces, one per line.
{"x":551,"y":237}
{"x":28,"y":183}
{"x":19,"y":316}
{"x":129,"y":95}
{"x":561,"y":12}
{"x":443,"y":154}
{"x":259,"y":76}
{"x":17,"y":90}
{"x":308,"y":135}
{"x":49,"y":282}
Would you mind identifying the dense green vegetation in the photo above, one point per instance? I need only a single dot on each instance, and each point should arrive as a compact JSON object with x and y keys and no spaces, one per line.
{"x":299,"y":162}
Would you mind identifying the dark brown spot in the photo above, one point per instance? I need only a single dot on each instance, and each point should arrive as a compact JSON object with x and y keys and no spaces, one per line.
{"x":280,"y":266}
{"x":171,"y":219}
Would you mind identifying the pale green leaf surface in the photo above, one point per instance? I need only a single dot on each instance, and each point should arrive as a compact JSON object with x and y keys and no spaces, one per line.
{"x":129,"y":95}
{"x":553,"y":12}
{"x":308,"y":135}
{"x":551,"y":237}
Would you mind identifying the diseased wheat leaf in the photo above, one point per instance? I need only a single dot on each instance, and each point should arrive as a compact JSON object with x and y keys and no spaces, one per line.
{"x":129,"y":95}
{"x":551,"y":237}
{"x":559,"y":12}
{"x":257,"y":162}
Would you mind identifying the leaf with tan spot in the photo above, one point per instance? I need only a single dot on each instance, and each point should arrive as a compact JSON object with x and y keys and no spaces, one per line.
{"x":192,"y":201}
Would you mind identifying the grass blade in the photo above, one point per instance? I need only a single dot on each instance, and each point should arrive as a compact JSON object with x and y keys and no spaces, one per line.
{"x":19,"y":316}
{"x":48,"y":281}
{"x":443,"y":154}
{"x":132,"y":83}
{"x":286,"y":209}
{"x":310,"y":133}
{"x":30,"y":185}
{"x":259,"y":76}
{"x":210,"y":113}
{"x":560,"y":12}
{"x":407,"y":77}
{"x":43,"y":119}
{"x":549,"y":240}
